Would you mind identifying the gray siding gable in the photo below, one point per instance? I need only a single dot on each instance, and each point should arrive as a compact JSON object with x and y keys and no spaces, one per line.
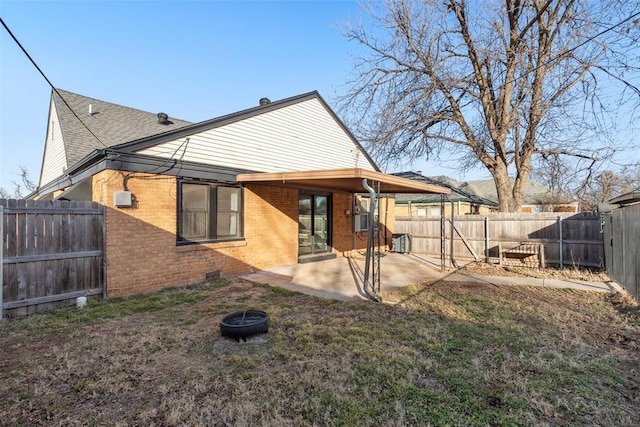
{"x":154,"y":140}
{"x":92,"y":131}
{"x":131,"y":130}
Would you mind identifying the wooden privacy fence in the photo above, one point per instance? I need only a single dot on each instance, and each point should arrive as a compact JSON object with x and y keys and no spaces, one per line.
{"x":559,"y":240}
{"x":622,"y":247}
{"x":52,"y":252}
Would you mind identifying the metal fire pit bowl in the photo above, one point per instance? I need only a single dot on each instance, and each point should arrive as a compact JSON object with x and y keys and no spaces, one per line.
{"x":243,"y":324}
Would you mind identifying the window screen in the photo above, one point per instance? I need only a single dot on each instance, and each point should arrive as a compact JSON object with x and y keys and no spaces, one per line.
{"x":209,"y":212}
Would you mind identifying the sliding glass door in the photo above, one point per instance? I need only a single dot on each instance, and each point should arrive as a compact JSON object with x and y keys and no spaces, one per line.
{"x":313,"y":224}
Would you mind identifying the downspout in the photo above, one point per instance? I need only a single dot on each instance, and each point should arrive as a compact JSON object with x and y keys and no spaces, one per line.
{"x":386,"y":218}
{"x":353,"y":210}
{"x":370,"y":294}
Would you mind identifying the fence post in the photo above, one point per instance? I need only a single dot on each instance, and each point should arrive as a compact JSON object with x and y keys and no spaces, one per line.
{"x":104,"y":252}
{"x":1,"y":262}
{"x":486,"y":238}
{"x":560,"y":239}
{"x":451,"y":243}
{"x":623,"y":222}
{"x":443,"y":244}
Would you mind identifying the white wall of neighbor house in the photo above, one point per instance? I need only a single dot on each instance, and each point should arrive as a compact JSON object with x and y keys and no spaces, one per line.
{"x":54,"y":160}
{"x":302,"y":136}
{"x":428,"y":211}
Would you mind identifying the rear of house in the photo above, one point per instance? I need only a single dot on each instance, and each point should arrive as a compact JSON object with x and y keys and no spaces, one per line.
{"x":277,"y":184}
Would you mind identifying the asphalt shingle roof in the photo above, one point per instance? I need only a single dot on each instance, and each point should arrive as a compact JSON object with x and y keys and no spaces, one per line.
{"x":481,"y":191}
{"x":458,"y":190}
{"x":113,"y":124}
{"x":533,"y":192}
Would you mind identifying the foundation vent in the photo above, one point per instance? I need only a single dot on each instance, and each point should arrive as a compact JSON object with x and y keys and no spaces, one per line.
{"x":213,"y":275}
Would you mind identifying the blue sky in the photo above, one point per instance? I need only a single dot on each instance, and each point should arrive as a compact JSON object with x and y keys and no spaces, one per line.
{"x":192,"y":60}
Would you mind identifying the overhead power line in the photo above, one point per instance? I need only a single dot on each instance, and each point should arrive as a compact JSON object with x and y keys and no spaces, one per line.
{"x":49,"y":82}
{"x":588,"y":40}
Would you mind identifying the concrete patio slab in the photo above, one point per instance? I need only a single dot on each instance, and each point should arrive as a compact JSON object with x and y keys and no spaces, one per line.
{"x":342,"y":278}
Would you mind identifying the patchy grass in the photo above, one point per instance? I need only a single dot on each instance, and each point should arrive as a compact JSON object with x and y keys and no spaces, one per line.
{"x":442,"y":354}
{"x":567,"y":273}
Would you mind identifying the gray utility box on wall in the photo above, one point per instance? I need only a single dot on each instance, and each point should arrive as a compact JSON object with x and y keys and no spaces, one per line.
{"x":123,"y":199}
{"x":401,"y":243}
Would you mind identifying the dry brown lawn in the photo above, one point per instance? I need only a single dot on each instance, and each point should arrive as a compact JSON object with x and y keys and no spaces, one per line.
{"x":567,"y":273}
{"x":436,"y":354}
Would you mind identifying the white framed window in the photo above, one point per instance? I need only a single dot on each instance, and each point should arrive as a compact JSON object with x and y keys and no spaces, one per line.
{"x":433,"y":211}
{"x":361,"y":213}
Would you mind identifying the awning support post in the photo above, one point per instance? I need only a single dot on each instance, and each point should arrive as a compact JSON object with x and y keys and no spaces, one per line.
{"x":370,"y":244}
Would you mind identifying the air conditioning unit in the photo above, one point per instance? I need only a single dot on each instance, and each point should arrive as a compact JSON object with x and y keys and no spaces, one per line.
{"x":401,"y":243}
{"x":123,"y":199}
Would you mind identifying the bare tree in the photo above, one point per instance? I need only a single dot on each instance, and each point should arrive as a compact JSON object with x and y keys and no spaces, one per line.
{"x":20,"y":189}
{"x":607,"y":185}
{"x":582,"y":181}
{"x":567,"y":177}
{"x":491,"y":82}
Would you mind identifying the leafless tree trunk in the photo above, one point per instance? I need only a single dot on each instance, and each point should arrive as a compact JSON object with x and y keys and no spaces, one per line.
{"x":494,"y":81}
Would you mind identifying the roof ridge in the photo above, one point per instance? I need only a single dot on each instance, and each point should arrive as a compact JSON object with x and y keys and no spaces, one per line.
{"x":88,"y":123}
{"x":143,"y":142}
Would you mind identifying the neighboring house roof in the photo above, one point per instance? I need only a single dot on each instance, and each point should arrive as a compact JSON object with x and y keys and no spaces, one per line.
{"x":482,"y":192}
{"x":459,"y":191}
{"x":534,"y":192}
{"x":296,"y":133}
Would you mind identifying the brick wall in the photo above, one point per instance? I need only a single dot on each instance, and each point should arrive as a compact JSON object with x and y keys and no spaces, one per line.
{"x":142,"y":254}
{"x":344,"y":239}
{"x":271,"y":225}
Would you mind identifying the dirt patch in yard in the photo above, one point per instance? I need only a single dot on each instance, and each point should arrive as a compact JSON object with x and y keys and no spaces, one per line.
{"x":485,"y":269}
{"x":450,"y":353}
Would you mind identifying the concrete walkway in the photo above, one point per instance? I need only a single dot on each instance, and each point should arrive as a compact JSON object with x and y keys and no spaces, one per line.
{"x":530,"y":281}
{"x":342,"y":278}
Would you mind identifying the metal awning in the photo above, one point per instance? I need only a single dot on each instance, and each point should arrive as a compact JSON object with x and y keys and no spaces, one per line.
{"x":347,"y":180}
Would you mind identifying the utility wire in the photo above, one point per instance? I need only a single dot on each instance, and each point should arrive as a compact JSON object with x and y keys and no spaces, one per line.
{"x":588,"y":40}
{"x":127,"y":176}
{"x":606,"y":30}
{"x":50,"y":84}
